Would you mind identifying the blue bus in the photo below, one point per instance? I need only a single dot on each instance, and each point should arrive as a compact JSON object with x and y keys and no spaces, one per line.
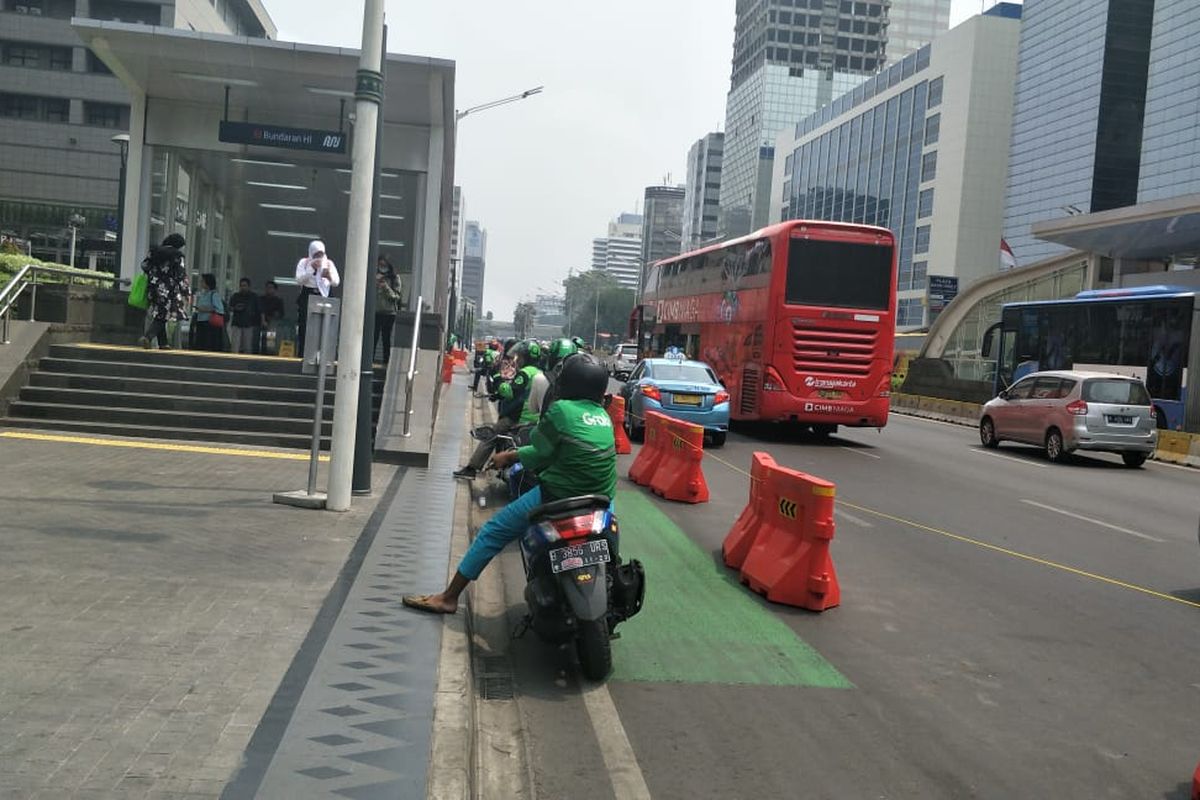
{"x":1148,"y":332}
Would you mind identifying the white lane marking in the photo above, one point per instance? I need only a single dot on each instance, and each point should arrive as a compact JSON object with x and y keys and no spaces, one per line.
{"x":862,"y":523}
{"x":963,"y":424}
{"x":1008,"y":458}
{"x":860,"y":451}
{"x":1101,"y":523}
{"x":1183,"y":467}
{"x":622,"y":765}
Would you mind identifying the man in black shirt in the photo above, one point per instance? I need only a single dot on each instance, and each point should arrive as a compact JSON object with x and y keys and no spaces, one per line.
{"x":244,"y":318}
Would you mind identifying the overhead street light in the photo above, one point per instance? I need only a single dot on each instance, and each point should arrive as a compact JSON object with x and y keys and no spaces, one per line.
{"x":458,"y":115}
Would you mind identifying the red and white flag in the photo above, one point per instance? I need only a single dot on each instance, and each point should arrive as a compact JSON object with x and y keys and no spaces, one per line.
{"x":1007,"y":259}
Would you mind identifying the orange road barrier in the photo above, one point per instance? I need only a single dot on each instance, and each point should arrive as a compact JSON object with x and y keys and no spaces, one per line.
{"x":741,"y":536}
{"x":789,"y":559}
{"x":616,"y":413}
{"x":651,"y":454}
{"x":447,"y":368}
{"x":460,"y":357}
{"x":679,"y":475}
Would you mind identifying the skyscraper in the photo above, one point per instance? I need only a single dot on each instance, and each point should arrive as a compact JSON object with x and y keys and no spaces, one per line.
{"x":1078,"y":117}
{"x":60,"y":106}
{"x":790,"y":58}
{"x":474,"y":262}
{"x":662,"y":217}
{"x":620,"y":252}
{"x":702,"y":192}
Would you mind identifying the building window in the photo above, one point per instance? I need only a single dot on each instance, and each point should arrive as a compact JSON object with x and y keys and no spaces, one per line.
{"x":919,"y":269}
{"x":105,"y":115}
{"x":32,"y":107}
{"x":921,"y":242}
{"x":929,"y":166}
{"x":925,"y":203}
{"x":94,"y":64}
{"x":935,"y":93}
{"x":19,"y":55}
{"x":933,"y":128}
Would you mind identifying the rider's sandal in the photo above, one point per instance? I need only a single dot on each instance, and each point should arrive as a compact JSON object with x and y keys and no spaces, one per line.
{"x":420,"y":602}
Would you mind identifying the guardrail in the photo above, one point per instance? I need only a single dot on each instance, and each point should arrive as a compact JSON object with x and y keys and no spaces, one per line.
{"x":411,"y":376}
{"x":27,"y":278}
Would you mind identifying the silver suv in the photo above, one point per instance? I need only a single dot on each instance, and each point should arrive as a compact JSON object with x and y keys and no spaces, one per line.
{"x":1065,"y":411}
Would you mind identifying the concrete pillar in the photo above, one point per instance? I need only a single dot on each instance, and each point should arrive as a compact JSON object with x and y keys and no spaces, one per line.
{"x":135,"y":222}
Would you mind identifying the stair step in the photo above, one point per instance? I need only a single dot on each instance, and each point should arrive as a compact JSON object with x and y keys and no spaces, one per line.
{"x":197,"y":359}
{"x":209,"y":437}
{"x":117,"y":383}
{"x":187,"y":374}
{"x":198,"y":421}
{"x":172,"y":402}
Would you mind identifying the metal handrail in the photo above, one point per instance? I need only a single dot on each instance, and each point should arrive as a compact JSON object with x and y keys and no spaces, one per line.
{"x":26,"y":277}
{"x":412,"y":369}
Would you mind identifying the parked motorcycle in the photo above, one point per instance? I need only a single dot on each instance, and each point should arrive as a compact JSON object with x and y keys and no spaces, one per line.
{"x":516,"y":478}
{"x":577,"y":589}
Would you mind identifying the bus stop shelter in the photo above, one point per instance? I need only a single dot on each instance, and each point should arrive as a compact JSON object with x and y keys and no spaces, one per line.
{"x":243,"y":146}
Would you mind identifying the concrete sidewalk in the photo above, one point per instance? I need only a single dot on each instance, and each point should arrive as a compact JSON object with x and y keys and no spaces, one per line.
{"x":166,"y":625}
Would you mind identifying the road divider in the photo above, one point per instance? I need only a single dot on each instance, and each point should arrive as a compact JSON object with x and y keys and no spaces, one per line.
{"x":669,"y":462}
{"x":616,"y":413}
{"x":780,"y":542}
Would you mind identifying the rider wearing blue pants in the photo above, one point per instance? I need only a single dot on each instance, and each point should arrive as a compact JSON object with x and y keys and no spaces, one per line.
{"x":573,"y":453}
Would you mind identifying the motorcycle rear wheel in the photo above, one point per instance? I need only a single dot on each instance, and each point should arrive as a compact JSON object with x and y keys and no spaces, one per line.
{"x":594,"y":647}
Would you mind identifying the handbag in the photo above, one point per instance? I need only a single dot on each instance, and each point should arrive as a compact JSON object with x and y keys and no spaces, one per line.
{"x":138,"y":291}
{"x":216,"y":320}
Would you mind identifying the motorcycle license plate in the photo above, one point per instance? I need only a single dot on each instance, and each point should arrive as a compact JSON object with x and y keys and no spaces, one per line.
{"x":686,"y":399}
{"x":588,"y":554}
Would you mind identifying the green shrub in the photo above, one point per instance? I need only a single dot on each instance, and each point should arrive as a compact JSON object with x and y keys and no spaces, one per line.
{"x":11,"y":264}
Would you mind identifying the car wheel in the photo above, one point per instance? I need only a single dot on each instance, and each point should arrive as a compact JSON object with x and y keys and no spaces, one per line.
{"x":1054,"y":446}
{"x":718,"y":438}
{"x":634,"y":433}
{"x":1133,"y":460}
{"x":987,"y":433}
{"x":823,"y":431}
{"x":1160,"y":419}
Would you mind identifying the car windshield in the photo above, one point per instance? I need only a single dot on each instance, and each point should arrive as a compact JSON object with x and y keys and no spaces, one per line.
{"x":1115,"y":390}
{"x":682,"y":372}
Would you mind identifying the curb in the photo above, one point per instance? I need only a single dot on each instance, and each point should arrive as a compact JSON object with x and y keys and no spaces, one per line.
{"x":1174,"y":447}
{"x":452,"y":750}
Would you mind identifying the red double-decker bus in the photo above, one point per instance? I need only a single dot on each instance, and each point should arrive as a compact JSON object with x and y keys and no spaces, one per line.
{"x":797,"y":319}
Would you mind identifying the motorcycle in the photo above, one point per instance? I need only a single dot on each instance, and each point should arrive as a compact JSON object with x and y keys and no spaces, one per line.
{"x":577,"y":589}
{"x":516,"y":478}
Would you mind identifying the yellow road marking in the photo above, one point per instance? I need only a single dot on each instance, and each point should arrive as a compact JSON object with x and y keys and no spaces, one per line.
{"x":173,"y":448}
{"x":958,"y":537}
{"x":183,"y":352}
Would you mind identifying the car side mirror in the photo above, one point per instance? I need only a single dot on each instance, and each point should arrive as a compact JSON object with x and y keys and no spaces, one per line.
{"x":1003,"y":394}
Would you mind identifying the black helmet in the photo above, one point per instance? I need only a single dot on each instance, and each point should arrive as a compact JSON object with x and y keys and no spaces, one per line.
{"x":582,"y":378}
{"x":508,"y":346}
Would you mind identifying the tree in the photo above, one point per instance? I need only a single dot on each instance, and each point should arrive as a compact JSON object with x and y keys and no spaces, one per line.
{"x":595,"y":304}
{"x":489,"y":316}
{"x":523,"y":320}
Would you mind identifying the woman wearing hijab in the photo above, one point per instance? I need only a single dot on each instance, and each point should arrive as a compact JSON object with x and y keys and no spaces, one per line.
{"x":387,"y":300}
{"x":166,"y":288}
{"x":316,"y":274}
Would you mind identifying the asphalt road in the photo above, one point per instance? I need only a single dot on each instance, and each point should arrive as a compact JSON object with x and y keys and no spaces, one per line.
{"x":1008,"y":629}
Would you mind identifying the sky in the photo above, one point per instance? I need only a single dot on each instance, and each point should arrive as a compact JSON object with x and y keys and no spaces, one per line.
{"x":630,"y":85}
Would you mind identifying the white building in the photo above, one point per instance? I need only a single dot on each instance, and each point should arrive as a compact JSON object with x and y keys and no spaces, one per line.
{"x":702,"y":191}
{"x":620,"y":252}
{"x":921,"y":149}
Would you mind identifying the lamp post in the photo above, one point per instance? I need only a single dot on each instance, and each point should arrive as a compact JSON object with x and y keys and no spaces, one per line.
{"x":121,"y":140}
{"x":74,"y":222}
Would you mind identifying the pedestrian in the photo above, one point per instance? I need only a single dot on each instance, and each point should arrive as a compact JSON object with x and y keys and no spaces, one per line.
{"x":387,"y":301}
{"x":271,"y":307}
{"x":210,"y":316}
{"x":316,"y":274}
{"x":244,"y":316}
{"x":166,"y":289}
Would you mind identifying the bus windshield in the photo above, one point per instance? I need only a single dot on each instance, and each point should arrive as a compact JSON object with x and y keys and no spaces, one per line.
{"x":838,"y":274}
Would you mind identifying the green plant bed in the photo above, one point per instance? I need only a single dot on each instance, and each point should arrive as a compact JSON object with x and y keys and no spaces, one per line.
{"x":11,"y":264}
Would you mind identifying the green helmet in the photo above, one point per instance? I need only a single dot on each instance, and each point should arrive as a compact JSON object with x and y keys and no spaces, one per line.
{"x":580,"y":344}
{"x":560,"y":349}
{"x":527,"y":352}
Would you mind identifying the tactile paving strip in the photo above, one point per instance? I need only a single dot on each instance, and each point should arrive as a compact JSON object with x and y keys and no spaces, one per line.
{"x":362,"y":725}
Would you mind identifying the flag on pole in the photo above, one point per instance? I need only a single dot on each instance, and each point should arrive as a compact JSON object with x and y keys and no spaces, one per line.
{"x":1007,"y":259}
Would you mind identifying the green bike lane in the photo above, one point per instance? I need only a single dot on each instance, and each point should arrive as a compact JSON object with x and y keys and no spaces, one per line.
{"x":949,"y":671}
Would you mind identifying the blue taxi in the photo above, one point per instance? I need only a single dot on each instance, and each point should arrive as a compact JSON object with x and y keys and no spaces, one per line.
{"x":685,"y":390}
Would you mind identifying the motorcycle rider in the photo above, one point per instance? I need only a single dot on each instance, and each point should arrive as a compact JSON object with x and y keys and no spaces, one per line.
{"x":573,"y":452}
{"x":520,"y":403}
{"x":559,"y":350}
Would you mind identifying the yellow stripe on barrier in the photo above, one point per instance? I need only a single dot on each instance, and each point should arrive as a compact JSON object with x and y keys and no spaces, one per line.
{"x":824,"y":491}
{"x":172,"y":448}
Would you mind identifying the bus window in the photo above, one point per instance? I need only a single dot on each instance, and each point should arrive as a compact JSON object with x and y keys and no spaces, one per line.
{"x":838,"y":274}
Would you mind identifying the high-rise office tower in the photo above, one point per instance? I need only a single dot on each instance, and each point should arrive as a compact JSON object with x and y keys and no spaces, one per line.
{"x":620,"y":252}
{"x":702,"y":192}
{"x":662,"y":217}
{"x":474,"y":262}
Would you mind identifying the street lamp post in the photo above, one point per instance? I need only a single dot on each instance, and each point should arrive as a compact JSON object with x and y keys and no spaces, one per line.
{"x":74,"y":222}
{"x":121,"y":140}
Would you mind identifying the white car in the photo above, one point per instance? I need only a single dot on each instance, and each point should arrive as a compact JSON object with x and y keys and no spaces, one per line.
{"x":624,"y":359}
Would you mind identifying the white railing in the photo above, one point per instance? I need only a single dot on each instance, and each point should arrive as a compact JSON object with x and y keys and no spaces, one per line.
{"x":28,"y":278}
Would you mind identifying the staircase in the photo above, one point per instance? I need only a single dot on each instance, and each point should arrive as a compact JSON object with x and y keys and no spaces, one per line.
{"x":212,"y":398}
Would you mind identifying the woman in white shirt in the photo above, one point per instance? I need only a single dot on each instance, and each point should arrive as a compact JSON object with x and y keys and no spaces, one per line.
{"x":316,"y":274}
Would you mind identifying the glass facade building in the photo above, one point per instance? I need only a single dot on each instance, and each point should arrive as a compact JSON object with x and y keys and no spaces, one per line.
{"x":702,"y":192}
{"x":1171,"y":137}
{"x":791,"y":57}
{"x":1077,"y":124}
{"x":662,"y":218}
{"x":920,"y":149}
